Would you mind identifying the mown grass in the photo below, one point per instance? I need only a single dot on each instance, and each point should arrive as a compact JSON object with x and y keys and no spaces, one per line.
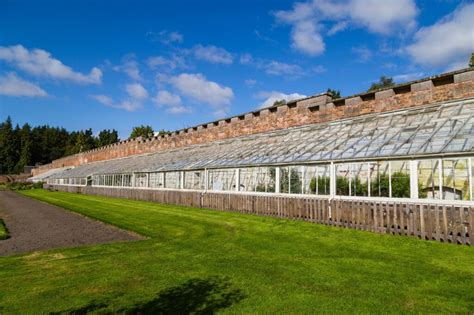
{"x":3,"y":231}
{"x":204,"y":261}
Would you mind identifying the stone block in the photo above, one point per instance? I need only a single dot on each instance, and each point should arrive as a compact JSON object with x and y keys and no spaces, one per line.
{"x":264,"y":112}
{"x":380,"y":95}
{"x":353,"y":101}
{"x":422,"y":86}
{"x":463,"y":77}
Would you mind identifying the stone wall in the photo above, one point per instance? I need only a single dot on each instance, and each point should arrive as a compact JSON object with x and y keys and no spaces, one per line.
{"x":315,"y":109}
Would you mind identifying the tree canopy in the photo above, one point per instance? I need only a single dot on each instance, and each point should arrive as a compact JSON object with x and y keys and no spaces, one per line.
{"x":107,"y":137}
{"x":384,"y":82}
{"x":279,"y":102}
{"x":146,"y":132}
{"x":25,"y":146}
{"x":334,"y":93}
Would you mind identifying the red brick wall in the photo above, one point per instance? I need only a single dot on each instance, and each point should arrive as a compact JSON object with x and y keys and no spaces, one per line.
{"x":317,"y":109}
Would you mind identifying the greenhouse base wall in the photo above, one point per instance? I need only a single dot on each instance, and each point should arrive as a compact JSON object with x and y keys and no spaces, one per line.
{"x":428,"y":220}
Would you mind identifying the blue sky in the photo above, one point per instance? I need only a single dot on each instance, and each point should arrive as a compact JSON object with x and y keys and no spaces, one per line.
{"x":118,"y":64}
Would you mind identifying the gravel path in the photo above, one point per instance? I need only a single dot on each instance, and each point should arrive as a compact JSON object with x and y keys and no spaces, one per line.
{"x":34,"y":225}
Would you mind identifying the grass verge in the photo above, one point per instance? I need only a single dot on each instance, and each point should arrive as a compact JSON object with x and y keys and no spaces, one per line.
{"x":199,"y":260}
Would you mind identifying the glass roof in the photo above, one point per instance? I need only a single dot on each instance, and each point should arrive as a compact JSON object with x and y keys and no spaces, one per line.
{"x":433,"y":129}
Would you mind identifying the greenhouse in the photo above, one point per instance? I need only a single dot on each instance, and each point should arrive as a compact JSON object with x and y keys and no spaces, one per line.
{"x":423,"y":152}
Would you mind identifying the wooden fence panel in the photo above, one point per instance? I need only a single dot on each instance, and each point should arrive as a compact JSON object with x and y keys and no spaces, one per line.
{"x":425,"y":220}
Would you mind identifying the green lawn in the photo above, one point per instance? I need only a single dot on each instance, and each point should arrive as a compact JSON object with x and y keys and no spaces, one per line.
{"x":202,"y":261}
{"x":3,"y":231}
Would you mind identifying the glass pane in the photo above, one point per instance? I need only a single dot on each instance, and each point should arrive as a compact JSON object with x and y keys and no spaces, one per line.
{"x":343,"y":177}
{"x":172,"y":180}
{"x":127,"y":180}
{"x":156,"y":180}
{"x":141,"y":180}
{"x":194,"y":180}
{"x":221,"y":179}
{"x":400,"y":174}
{"x":359,"y":183}
{"x":316,"y":180}
{"x":455,"y":179}
{"x":379,"y":179}
{"x":257,"y":179}
{"x":352,"y":179}
{"x":291,"y":179}
{"x":428,"y":179}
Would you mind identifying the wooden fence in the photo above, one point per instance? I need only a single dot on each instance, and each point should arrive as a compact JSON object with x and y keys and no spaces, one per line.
{"x":425,"y":219}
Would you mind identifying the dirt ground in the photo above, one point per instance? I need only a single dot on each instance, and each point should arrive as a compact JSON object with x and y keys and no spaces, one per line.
{"x":34,"y":225}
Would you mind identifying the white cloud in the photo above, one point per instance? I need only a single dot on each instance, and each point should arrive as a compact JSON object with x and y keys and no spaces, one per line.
{"x":338,"y":27}
{"x":197,"y":87}
{"x":130,"y":67}
{"x":250,"y":82}
{"x":246,"y":59}
{"x":136,"y":91}
{"x":12,"y":85}
{"x":405,"y":77}
{"x":273,"y":67}
{"x":39,"y":62}
{"x":281,"y":68}
{"x":128,"y":105}
{"x":362,"y":52}
{"x":166,"y":98}
{"x":307,"y":39}
{"x":171,"y":63}
{"x":172,"y":102}
{"x":166,"y":37}
{"x":103,"y":99}
{"x":213,"y":54}
{"x":269,"y":98}
{"x":448,"y":43}
{"x":318,"y":69}
{"x":383,"y":17}
{"x":308,"y":19}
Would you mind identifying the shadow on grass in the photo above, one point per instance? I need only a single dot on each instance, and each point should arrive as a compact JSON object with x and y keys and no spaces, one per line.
{"x":195,"y":296}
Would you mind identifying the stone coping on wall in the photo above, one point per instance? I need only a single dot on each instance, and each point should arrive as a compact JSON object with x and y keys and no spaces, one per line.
{"x":314,"y":109}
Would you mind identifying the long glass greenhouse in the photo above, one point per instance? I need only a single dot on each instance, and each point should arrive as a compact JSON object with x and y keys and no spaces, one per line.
{"x":423,"y":152}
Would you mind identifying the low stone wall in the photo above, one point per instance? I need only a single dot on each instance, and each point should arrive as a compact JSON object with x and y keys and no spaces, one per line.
{"x":423,"y":219}
{"x":315,"y":109}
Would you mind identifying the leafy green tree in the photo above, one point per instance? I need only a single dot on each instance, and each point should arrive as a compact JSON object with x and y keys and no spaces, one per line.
{"x":321,"y":183}
{"x":334,"y":93}
{"x":270,"y":187}
{"x":401,"y":185}
{"x":25,"y":158}
{"x":7,"y":147}
{"x":163,"y":132}
{"x":384,"y":82}
{"x":107,"y":137}
{"x":342,"y":186}
{"x":146,"y":132}
{"x":291,"y":183}
{"x":381,"y":186}
{"x":471,"y":61}
{"x":279,"y":102}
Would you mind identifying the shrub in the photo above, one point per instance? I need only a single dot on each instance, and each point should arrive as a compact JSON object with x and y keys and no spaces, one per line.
{"x":24,"y":185}
{"x":323,"y":185}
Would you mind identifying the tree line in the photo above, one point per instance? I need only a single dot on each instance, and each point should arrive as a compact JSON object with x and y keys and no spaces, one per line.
{"x":22,"y":146}
{"x":26,"y":145}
